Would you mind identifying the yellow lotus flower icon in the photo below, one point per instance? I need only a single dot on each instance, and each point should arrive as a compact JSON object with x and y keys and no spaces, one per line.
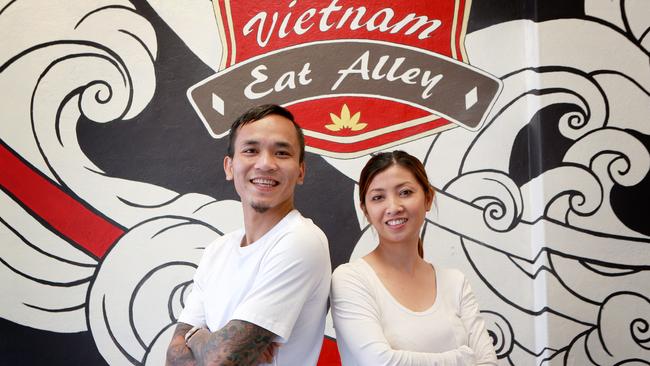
{"x":345,"y":121}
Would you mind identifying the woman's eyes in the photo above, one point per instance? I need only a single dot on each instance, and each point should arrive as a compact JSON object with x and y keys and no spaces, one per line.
{"x":402,"y":193}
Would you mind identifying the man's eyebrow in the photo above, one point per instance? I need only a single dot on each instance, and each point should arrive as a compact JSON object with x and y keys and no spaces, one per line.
{"x":283,"y":144}
{"x":277,"y":144}
{"x":250,"y":142}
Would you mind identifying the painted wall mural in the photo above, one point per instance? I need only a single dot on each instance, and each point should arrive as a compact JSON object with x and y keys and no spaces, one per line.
{"x":531,"y":118}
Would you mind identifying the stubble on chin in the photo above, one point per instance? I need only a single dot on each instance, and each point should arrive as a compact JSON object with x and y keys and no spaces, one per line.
{"x":259,"y":208}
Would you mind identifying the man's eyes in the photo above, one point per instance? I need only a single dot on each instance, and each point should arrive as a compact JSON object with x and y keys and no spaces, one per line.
{"x":253,"y":151}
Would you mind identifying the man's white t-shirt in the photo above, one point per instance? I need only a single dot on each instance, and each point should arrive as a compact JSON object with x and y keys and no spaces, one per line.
{"x":280,"y":282}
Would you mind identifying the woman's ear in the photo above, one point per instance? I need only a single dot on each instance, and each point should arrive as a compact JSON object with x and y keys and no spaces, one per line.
{"x":363,"y":209}
{"x":429,"y":198}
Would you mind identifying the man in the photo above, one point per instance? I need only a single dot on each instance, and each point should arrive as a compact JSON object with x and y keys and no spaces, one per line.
{"x":259,"y":293}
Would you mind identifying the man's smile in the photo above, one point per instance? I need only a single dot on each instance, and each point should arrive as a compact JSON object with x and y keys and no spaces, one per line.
{"x":264,"y":182}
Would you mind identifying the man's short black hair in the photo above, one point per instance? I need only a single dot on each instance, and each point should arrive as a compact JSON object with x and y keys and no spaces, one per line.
{"x":256,"y":114}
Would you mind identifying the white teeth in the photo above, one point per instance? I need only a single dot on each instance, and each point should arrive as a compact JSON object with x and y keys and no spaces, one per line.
{"x":265,"y":182}
{"x":396,"y":222}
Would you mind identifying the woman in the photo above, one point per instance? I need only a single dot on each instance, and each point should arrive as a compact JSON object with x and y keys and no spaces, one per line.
{"x":391,"y":307}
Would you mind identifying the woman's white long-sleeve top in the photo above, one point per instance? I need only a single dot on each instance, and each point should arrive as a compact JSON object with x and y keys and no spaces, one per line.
{"x":374,"y":329}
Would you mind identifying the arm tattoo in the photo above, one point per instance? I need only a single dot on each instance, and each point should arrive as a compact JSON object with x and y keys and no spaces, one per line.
{"x":237,"y":343}
{"x":178,"y":354}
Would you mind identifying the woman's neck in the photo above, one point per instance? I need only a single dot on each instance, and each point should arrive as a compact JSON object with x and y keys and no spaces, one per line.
{"x":399,"y":256}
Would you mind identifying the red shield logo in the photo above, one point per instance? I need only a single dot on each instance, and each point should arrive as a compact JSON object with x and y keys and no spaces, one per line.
{"x":358,"y":76}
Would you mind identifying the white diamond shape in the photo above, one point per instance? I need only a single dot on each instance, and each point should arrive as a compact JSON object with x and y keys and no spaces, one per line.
{"x":471,"y":98}
{"x":217,"y":104}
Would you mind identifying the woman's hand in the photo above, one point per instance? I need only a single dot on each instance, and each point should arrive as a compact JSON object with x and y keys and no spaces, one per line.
{"x":467,"y":356}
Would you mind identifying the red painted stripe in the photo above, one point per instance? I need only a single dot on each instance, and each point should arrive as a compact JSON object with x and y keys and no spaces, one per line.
{"x":459,"y":31}
{"x":329,"y":353}
{"x":227,"y":32}
{"x":90,"y":231}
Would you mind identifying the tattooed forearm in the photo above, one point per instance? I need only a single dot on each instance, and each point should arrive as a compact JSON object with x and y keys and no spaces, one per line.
{"x":237,"y":343}
{"x":178,"y":354}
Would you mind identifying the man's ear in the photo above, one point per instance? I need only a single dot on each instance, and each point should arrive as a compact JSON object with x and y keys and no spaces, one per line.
{"x":227,"y":167}
{"x":301,"y":175}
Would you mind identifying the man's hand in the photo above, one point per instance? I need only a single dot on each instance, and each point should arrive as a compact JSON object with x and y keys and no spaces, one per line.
{"x":269,"y":353}
{"x":178,"y":354}
{"x":237,"y":343}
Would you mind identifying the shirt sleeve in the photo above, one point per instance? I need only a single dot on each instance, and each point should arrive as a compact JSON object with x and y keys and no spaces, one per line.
{"x":357,"y":325}
{"x":479,"y":340}
{"x":193,"y":312}
{"x":289,"y":276}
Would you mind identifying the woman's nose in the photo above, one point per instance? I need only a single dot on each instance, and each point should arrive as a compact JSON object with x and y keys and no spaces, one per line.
{"x":394,"y":206}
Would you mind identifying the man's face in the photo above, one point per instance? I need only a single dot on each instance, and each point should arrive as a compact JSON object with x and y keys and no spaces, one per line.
{"x":265,"y":165}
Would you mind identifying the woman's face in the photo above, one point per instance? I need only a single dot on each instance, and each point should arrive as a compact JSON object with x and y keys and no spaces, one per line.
{"x":396,"y":205}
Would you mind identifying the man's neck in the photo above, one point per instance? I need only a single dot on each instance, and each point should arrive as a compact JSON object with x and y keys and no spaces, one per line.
{"x":256,"y":224}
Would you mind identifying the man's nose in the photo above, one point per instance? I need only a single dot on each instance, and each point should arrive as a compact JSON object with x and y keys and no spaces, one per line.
{"x":266,"y":161}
